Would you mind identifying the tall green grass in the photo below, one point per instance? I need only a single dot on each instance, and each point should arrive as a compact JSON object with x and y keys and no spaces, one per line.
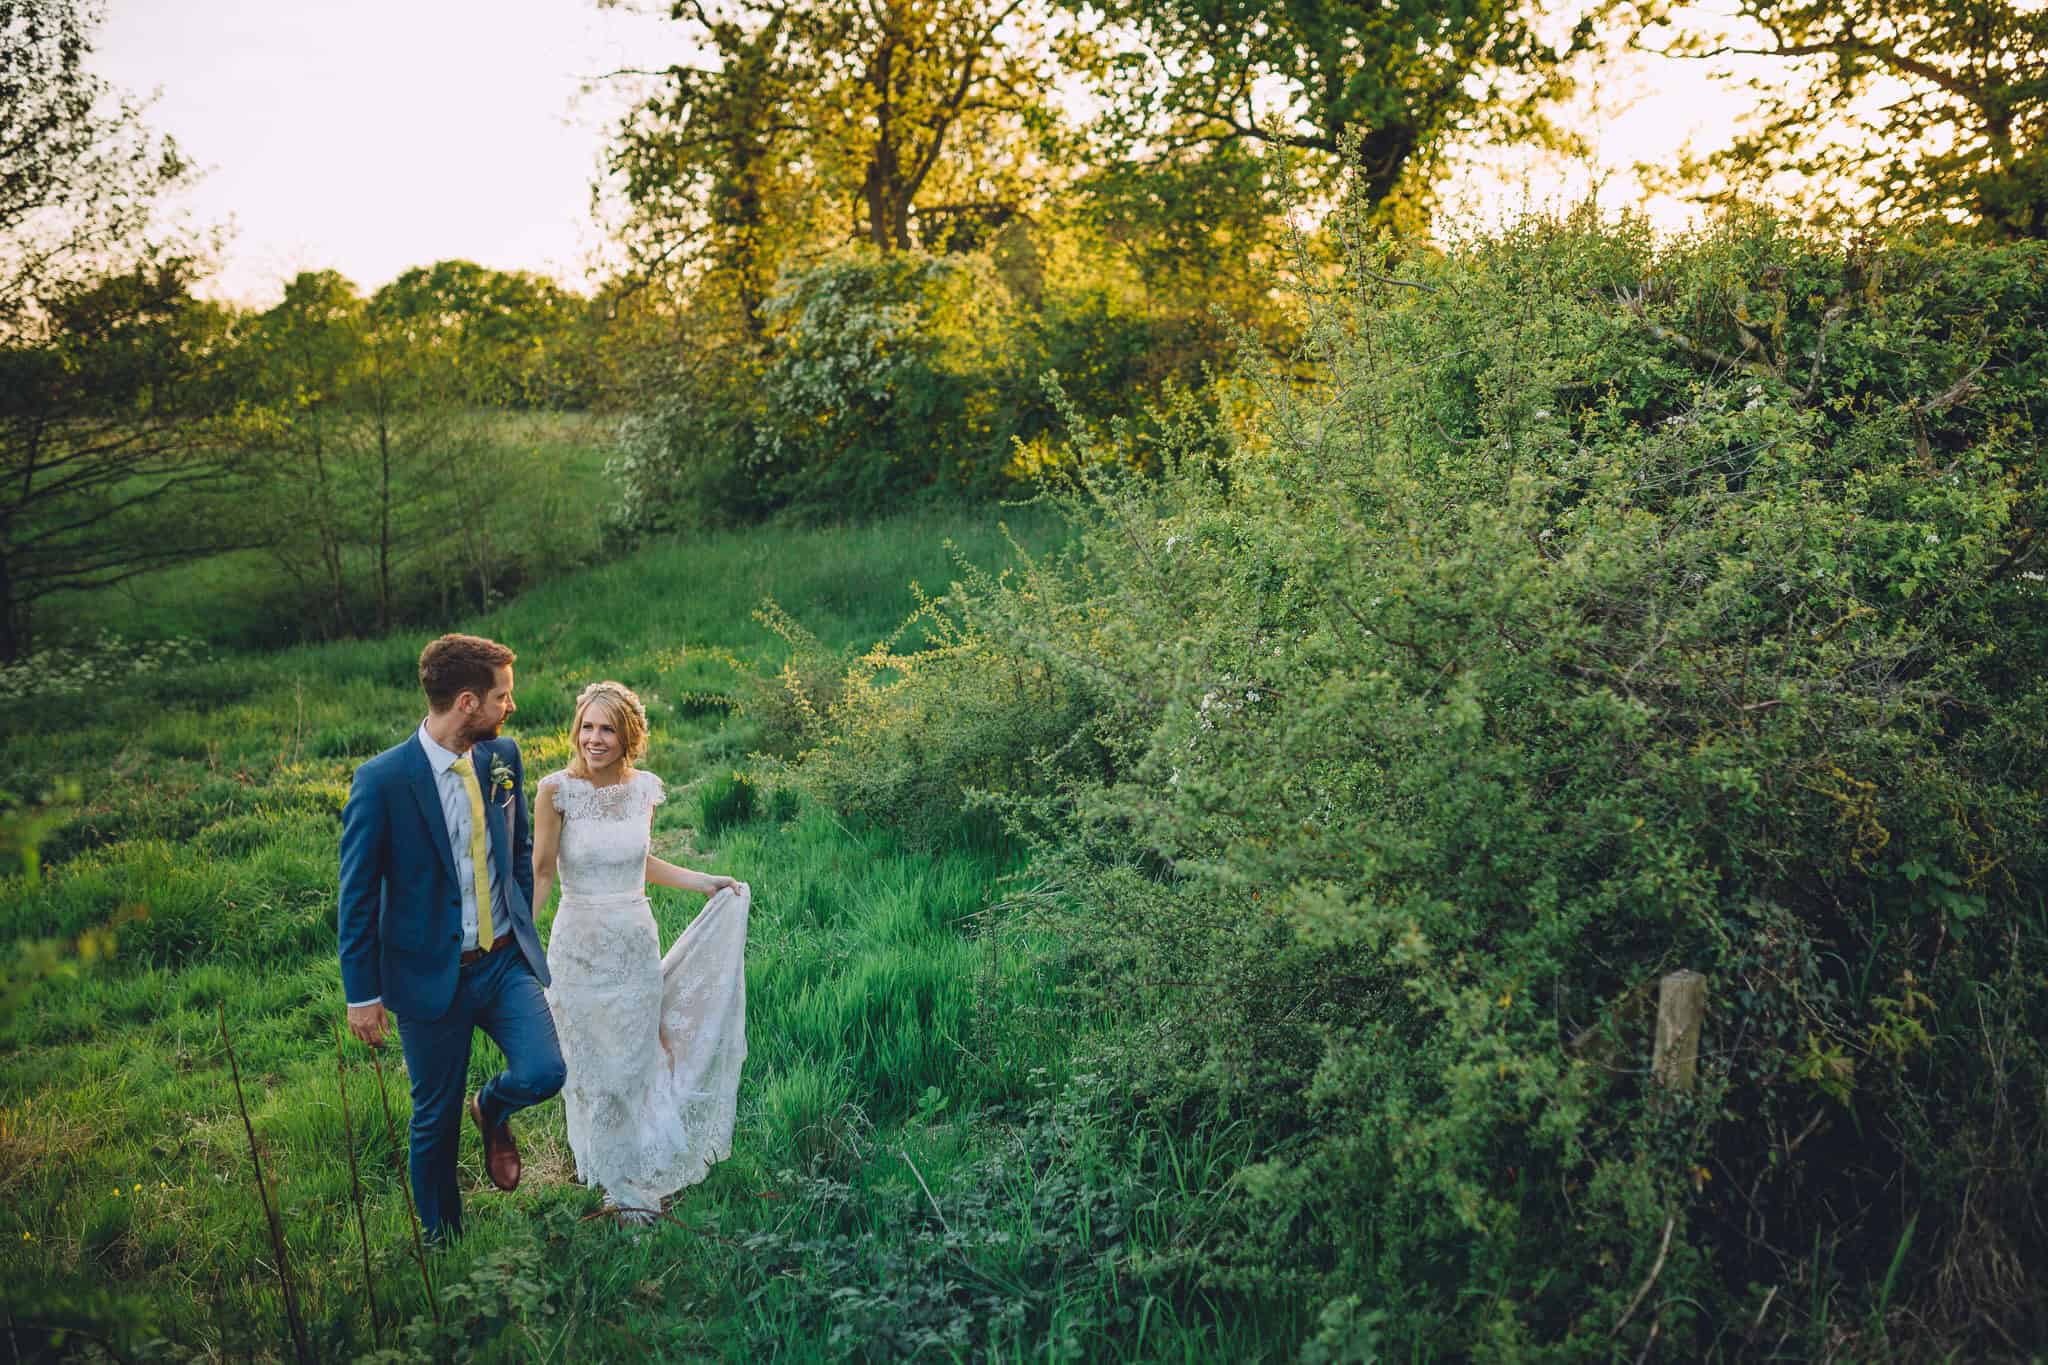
{"x":914,"y":1171}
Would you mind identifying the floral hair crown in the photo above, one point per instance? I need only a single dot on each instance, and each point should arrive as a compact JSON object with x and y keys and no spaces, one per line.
{"x":613,"y":691}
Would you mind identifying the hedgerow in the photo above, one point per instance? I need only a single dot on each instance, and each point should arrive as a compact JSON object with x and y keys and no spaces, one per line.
{"x":1576,"y":609}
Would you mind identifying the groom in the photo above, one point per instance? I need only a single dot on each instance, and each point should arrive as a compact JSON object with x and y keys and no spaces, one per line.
{"x":436,"y":922}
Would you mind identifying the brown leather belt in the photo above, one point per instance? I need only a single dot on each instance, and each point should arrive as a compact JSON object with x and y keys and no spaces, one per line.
{"x":502,"y":942}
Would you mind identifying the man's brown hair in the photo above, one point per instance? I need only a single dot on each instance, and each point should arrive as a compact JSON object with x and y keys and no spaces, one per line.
{"x":455,"y":664}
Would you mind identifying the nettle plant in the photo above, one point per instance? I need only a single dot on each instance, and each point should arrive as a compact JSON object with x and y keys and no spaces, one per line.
{"x":1595,"y":609}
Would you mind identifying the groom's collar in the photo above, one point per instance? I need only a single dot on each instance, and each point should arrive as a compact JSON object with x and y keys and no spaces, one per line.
{"x":441,"y":759}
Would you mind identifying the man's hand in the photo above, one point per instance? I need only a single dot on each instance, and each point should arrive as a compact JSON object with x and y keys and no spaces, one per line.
{"x":368,"y":1022}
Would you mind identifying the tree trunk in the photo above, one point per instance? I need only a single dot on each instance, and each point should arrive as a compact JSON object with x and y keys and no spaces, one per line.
{"x":883,"y":188}
{"x":13,"y":618}
{"x":1383,"y":154}
{"x":329,"y":515}
{"x":383,"y":498}
{"x":748,"y":214}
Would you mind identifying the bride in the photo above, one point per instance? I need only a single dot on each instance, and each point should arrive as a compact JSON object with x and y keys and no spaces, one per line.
{"x":653,"y":1042}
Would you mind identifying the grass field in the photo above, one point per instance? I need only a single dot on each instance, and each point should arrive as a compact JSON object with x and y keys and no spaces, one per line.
{"x":915,"y":1174}
{"x":238,"y":600}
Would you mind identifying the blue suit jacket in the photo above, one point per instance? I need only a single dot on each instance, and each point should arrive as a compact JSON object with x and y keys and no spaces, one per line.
{"x":400,"y":919}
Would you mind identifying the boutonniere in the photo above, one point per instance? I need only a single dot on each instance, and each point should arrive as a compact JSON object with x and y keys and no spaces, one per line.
{"x":501,"y":781}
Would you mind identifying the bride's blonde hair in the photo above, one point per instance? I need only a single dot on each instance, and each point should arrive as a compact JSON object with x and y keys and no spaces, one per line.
{"x":627,"y":715}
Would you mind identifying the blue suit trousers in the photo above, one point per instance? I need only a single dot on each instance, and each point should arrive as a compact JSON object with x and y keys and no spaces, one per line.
{"x":500,"y":995}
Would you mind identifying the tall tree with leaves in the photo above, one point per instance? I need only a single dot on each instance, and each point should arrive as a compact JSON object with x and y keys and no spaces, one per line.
{"x":934,"y":103}
{"x":372,"y":445}
{"x":1893,"y":109}
{"x":710,"y":164}
{"x":1386,"y":87}
{"x":517,"y":338}
{"x":308,"y":350}
{"x":901,"y":123}
{"x":109,"y":370}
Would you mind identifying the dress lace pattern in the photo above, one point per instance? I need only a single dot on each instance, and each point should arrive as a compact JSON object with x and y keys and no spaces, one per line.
{"x":654,"y":1042}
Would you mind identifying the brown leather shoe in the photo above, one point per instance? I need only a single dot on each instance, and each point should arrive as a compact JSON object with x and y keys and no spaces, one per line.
{"x":501,"y":1154}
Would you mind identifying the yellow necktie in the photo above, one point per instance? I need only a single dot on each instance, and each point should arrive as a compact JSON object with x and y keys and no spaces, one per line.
{"x":479,"y":852}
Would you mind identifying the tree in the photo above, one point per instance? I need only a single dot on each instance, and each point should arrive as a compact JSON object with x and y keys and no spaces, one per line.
{"x":1385,"y":87}
{"x":905,"y":123}
{"x":705,"y":164}
{"x":1936,"y":107}
{"x":368,"y":437}
{"x":307,"y":350}
{"x":112,"y":462}
{"x":110,"y":373}
{"x":931,"y":94}
{"x":80,"y":174}
{"x":517,"y":337}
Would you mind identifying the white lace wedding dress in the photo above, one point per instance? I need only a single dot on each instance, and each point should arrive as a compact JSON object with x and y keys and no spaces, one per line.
{"x":654,"y":1043}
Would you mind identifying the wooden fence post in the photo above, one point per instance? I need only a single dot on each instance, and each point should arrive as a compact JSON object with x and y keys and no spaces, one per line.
{"x":1681,"y":1010}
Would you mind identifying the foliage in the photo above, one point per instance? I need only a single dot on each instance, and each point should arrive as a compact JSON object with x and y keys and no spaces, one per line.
{"x":1882,"y":110}
{"x":515,"y":339}
{"x":1373,"y":89}
{"x":109,"y":371}
{"x":1598,"y":609}
{"x":80,"y":175}
{"x":884,"y":379}
{"x":115,"y":439}
{"x":932,"y":721}
{"x":914,"y":118}
{"x":374,"y":450}
{"x":142,"y":430}
{"x":871,"y":394}
{"x":864,"y":392}
{"x":878,"y":231}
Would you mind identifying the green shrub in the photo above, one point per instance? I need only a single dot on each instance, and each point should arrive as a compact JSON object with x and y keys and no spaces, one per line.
{"x":1594,"y":608}
{"x":723,"y":802}
{"x":924,"y":738}
{"x":881,"y":380}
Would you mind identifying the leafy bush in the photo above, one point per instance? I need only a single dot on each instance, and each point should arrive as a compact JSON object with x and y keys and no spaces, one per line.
{"x":882,"y":379}
{"x":922,"y":737}
{"x":1595,"y":609}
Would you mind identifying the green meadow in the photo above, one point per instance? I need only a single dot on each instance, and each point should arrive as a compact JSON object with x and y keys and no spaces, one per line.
{"x":551,"y":512}
{"x":915,"y":1173}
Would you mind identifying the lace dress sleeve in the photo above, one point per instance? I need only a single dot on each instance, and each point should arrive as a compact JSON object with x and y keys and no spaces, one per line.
{"x":553,"y":785}
{"x":656,"y":790}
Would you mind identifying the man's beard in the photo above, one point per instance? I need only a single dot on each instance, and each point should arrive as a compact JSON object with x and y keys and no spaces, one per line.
{"x":475,"y":732}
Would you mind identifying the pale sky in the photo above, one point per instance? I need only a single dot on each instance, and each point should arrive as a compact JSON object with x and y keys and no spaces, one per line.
{"x":368,"y":136}
{"x":1633,"y":108}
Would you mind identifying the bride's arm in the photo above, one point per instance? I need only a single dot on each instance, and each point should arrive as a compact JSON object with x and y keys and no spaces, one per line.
{"x":668,"y":874}
{"x":547,"y":838}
